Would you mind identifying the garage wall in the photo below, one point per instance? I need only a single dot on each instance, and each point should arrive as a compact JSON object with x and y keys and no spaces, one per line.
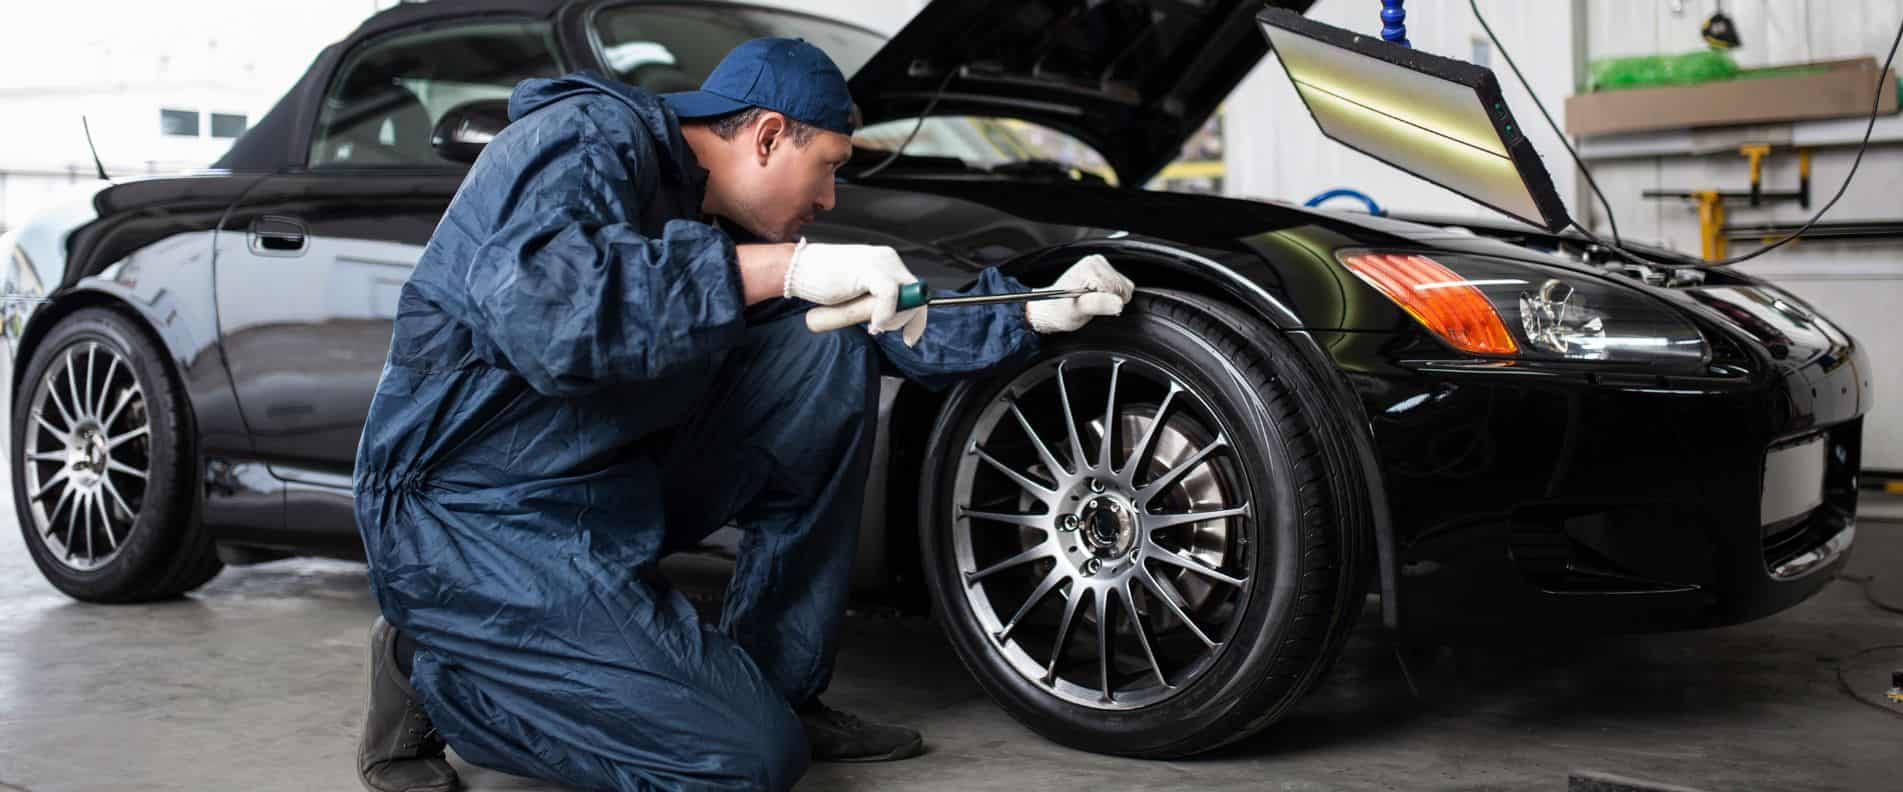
{"x":1773,"y":31}
{"x":1856,"y":283}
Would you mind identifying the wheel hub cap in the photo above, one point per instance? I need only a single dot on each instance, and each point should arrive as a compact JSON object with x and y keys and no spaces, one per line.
{"x":1110,"y":526}
{"x":86,"y":457}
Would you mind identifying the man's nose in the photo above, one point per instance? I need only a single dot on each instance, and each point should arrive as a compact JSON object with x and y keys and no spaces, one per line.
{"x":826,"y":198}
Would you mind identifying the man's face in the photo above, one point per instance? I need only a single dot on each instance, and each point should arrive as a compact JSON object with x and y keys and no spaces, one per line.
{"x":779,"y":186}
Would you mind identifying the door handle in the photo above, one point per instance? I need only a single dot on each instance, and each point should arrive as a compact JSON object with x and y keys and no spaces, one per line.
{"x":277,"y":235}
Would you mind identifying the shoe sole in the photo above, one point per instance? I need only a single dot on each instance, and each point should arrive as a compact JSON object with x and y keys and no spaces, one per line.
{"x":906,"y":751}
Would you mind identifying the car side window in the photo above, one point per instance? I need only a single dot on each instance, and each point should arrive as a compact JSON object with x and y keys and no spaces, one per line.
{"x":390,"y":92}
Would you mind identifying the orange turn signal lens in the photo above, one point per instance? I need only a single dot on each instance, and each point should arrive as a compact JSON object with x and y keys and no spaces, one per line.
{"x":1438,"y":298}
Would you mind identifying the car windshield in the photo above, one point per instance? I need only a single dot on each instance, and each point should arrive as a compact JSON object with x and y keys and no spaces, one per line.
{"x":662,"y":48}
{"x":1005,"y":145}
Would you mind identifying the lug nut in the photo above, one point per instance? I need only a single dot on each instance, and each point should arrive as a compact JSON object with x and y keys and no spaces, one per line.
{"x":1069,"y":523}
{"x":1096,"y":486}
{"x":1092,"y":565}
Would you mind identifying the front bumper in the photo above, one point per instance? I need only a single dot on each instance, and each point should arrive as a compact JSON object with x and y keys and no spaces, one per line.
{"x":1568,"y":499}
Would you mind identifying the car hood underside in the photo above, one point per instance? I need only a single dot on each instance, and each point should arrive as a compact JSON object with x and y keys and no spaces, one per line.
{"x":1134,"y":78}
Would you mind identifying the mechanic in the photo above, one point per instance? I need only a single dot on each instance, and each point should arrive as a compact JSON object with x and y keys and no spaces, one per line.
{"x":587,"y":373}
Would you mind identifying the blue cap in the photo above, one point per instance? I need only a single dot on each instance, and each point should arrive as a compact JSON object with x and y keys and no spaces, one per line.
{"x":785,"y":75}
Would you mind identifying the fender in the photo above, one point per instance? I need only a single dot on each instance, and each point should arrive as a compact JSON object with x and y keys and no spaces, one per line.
{"x":146,"y":248}
{"x":916,"y":410}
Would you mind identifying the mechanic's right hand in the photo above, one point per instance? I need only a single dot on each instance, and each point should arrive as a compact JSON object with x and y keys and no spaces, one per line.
{"x":833,"y":274}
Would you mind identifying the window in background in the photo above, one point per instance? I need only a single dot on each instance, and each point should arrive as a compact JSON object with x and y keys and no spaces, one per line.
{"x":180,"y":123}
{"x":227,"y":125}
{"x":1199,"y":166}
{"x":391,"y":92}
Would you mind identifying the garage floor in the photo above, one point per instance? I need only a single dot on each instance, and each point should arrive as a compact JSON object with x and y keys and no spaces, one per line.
{"x":255,"y":683}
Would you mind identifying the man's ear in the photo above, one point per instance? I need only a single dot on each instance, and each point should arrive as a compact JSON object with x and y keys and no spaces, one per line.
{"x":768,"y":134}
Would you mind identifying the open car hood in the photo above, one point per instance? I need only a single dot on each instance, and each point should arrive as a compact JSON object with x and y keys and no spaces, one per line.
{"x":1133,"y":78}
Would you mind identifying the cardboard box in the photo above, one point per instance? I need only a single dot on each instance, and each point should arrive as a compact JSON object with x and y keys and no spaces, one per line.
{"x":1842,"y":89}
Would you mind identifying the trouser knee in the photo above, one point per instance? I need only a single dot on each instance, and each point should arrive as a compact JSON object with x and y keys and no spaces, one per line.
{"x":781,"y":751}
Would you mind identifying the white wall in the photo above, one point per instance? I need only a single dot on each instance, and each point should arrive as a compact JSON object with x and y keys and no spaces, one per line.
{"x":1274,"y":150}
{"x":118,"y":62}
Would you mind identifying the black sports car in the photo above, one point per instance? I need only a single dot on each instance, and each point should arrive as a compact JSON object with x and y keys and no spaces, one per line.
{"x":1150,"y":542}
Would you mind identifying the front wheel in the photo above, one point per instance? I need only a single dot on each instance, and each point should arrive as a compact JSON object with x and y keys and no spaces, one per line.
{"x":1133,"y":544}
{"x":101,"y":473}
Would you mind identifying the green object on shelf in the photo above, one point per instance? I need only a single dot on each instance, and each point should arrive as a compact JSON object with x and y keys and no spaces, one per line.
{"x":1651,"y":71}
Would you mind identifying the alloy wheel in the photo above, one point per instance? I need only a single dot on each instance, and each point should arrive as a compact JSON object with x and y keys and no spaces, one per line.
{"x":1101,"y":521}
{"x":87,"y":455}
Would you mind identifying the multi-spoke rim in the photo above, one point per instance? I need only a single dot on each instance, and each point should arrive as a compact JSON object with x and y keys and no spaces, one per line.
{"x":1131,"y":529}
{"x":86,"y":454}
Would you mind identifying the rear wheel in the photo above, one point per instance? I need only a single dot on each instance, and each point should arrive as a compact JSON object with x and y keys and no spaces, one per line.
{"x":1134,"y":544}
{"x":100,"y":473}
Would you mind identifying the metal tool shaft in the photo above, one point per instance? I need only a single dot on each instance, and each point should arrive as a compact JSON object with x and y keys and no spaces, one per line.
{"x":832,"y":317}
{"x":988,"y":299}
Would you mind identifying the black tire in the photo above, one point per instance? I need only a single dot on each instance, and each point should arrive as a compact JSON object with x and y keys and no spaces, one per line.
{"x":165,"y":552}
{"x":1286,"y":436}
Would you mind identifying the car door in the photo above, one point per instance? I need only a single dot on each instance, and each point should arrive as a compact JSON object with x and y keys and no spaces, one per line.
{"x":311,"y":261}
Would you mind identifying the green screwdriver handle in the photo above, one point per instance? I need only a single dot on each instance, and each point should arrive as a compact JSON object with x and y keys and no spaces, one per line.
{"x":913,"y":295}
{"x":827,"y":318}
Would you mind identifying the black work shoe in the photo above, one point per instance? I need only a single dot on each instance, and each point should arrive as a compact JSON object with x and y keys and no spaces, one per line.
{"x":841,"y":737}
{"x":399,"y":750}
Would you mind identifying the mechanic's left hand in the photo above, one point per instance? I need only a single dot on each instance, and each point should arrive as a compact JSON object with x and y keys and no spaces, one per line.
{"x":1110,"y":292}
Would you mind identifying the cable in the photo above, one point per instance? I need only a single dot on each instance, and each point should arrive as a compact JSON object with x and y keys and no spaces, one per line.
{"x":923,"y":114}
{"x":1865,"y":583}
{"x":1617,"y":245}
{"x":1844,"y":683}
{"x":1508,"y":57}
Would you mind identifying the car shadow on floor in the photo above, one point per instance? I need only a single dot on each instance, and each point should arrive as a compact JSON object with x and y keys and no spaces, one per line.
{"x":1657,"y":684}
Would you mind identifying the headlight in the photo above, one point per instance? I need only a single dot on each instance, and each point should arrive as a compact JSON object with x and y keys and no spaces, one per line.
{"x":1505,"y":308}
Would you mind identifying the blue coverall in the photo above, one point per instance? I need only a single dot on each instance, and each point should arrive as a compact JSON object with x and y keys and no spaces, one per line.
{"x":574,"y":389}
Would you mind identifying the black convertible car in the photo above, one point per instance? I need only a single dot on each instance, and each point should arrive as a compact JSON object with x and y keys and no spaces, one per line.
{"x":1150,"y":542}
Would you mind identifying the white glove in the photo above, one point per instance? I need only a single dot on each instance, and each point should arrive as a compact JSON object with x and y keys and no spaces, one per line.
{"x":1109,"y":292}
{"x":833,"y":274}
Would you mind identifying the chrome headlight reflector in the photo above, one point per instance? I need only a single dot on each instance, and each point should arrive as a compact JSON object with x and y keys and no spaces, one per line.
{"x":1518,"y":309}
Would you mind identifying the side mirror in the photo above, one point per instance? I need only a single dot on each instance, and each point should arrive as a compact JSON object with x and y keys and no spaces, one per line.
{"x":462,"y":132}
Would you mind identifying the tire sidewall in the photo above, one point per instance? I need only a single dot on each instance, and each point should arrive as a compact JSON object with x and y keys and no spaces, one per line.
{"x":1249,"y":655}
{"x":153,"y":540}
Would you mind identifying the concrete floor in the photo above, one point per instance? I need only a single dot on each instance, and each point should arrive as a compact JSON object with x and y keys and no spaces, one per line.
{"x":254,"y":683}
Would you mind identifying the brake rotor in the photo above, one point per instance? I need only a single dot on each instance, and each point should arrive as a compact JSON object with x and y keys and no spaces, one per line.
{"x":1205,"y":487}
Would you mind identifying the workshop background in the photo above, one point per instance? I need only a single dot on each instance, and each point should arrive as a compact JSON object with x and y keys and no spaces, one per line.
{"x":155,"y":697}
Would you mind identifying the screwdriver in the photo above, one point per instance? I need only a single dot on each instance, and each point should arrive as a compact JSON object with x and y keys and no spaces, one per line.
{"x":827,"y":318}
